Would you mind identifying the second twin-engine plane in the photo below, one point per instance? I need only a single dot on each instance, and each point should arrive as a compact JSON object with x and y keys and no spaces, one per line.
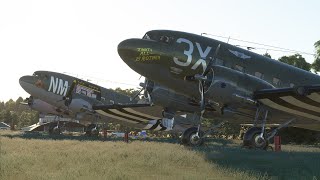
{"x":229,"y":82}
{"x":66,"y":96}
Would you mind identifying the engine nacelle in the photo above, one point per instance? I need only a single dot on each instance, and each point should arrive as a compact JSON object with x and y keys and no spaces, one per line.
{"x":170,"y":99}
{"x":229,"y":85}
{"x":42,"y":106}
{"x":80,"y":105}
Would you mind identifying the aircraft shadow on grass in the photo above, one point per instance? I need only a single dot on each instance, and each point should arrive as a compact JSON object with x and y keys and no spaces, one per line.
{"x":288,"y":164}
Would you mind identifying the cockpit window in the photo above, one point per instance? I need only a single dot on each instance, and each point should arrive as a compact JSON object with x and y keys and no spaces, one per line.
{"x":35,"y":74}
{"x":158,"y":37}
{"x":164,"y":39}
{"x":146,"y":36}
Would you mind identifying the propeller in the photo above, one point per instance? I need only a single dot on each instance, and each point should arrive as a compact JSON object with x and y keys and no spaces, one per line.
{"x":28,"y":101}
{"x":202,"y":80}
{"x":212,"y":60}
{"x":68,"y":98}
{"x":147,"y":88}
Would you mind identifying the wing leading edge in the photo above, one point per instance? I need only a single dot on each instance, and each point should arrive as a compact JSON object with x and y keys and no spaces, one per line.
{"x":303,"y":100}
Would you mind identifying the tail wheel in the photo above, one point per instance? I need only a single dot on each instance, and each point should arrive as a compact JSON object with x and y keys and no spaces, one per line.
{"x":190,"y":138}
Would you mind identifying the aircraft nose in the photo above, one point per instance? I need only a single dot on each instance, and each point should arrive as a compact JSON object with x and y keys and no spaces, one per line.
{"x":27,"y":83}
{"x":26,"y":79}
{"x":141,"y":55}
{"x":128,"y":49}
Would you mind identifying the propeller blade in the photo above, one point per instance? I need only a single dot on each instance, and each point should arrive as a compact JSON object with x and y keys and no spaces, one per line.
{"x":68,"y":97}
{"x":24,"y":103}
{"x":136,"y":95}
{"x":212,"y":60}
{"x":71,"y":88}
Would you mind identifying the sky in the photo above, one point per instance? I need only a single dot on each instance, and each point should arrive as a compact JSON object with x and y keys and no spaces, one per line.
{"x":80,"y":37}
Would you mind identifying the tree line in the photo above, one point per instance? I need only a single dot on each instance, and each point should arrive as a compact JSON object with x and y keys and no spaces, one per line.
{"x":16,"y":114}
{"x":298,"y":61}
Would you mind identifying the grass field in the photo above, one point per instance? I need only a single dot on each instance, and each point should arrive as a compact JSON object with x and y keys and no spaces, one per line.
{"x":44,"y":157}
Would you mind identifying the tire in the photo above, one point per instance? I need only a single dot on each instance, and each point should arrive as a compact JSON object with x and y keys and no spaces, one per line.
{"x":89,"y":129}
{"x":188,"y":137}
{"x":252,"y":139}
{"x":54,"y":130}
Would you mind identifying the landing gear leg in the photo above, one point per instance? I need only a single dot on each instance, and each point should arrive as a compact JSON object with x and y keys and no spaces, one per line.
{"x":257,"y":137}
{"x":194,"y":136}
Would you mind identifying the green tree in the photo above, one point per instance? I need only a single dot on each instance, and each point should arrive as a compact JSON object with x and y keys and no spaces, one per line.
{"x":10,"y":105}
{"x":129,"y":92}
{"x":24,"y":119}
{"x":2,"y":107}
{"x":296,"y":60}
{"x":267,"y":55}
{"x":316,"y":62}
{"x":6,"y":117}
{"x":317,"y":47}
{"x":17,"y":104}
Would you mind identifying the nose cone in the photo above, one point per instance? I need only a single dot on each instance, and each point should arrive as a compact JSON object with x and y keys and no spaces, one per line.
{"x":27,"y":83}
{"x":129,"y":50}
{"x":141,"y":55}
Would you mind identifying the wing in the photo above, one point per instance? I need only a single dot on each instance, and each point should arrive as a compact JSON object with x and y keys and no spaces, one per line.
{"x":131,"y":113}
{"x":303,"y":100}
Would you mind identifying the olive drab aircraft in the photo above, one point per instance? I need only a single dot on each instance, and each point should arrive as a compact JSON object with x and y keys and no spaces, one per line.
{"x":66,"y":96}
{"x":227,"y":82}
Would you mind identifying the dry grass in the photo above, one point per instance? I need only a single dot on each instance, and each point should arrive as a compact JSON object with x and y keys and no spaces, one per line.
{"x":23,"y":158}
{"x":72,"y":159}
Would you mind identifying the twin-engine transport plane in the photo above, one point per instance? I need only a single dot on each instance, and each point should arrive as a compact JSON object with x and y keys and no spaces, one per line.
{"x":67,"y":96}
{"x":237,"y":84}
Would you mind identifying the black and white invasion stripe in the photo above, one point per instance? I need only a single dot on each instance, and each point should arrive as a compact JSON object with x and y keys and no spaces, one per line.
{"x":287,"y":100}
{"x":132,"y":116}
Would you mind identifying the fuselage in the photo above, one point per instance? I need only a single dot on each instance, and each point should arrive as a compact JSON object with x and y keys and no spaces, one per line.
{"x":67,"y":96}
{"x":163,"y":52}
{"x":168,"y":57}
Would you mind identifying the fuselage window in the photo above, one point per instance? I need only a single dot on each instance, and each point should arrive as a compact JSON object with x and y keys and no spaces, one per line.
{"x":83,"y":91}
{"x":86,"y":91}
{"x":238,"y":68}
{"x":258,"y":75}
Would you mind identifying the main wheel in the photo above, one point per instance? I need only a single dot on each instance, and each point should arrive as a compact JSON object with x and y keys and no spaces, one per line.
{"x":252,"y":139}
{"x":54,"y":129}
{"x":95,"y":131}
{"x":92,"y":130}
{"x":190,"y":138}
